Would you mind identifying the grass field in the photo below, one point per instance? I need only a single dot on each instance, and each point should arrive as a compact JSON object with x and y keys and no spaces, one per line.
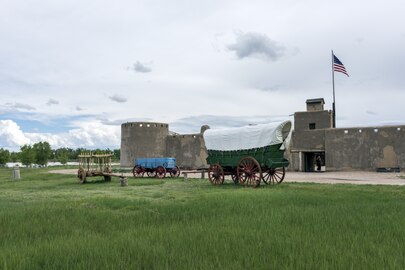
{"x":48,"y":221}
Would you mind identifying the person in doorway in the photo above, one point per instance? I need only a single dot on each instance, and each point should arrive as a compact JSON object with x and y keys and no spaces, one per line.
{"x":318,"y":162}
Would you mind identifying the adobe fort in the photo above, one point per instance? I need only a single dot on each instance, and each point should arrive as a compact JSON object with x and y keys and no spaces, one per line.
{"x":148,"y":140}
{"x":359,"y":148}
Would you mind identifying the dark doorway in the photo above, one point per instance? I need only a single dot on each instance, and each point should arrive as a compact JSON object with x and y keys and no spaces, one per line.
{"x":314,"y":161}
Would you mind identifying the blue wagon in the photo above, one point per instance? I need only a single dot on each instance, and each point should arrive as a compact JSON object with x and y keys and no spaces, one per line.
{"x":155,"y":167}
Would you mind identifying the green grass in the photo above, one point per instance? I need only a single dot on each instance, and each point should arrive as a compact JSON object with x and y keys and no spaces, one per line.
{"x":49,"y":221}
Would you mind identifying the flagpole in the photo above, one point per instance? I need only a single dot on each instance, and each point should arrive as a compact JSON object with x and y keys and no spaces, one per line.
{"x":333,"y":105}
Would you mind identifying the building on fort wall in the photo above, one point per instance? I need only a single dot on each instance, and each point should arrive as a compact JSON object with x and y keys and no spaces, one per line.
{"x":358,"y":148}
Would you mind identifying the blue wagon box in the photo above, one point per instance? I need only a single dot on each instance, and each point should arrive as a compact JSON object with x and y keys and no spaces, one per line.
{"x":151,"y":163}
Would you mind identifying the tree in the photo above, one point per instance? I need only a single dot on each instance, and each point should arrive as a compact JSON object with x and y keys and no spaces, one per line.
{"x":43,"y":152}
{"x":62,"y":155}
{"x":14,"y":156}
{"x":27,"y":155}
{"x":4,"y":156}
{"x":117,"y":154}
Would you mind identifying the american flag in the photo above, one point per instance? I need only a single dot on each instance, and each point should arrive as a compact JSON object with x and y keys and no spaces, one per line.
{"x":338,"y":66}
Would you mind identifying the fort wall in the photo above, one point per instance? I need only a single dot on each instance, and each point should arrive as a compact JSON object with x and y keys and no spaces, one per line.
{"x":142,"y":140}
{"x":367,"y":148}
{"x":189,"y":150}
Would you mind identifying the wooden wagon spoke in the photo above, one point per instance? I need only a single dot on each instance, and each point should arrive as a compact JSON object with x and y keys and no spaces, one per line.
{"x":277,"y":175}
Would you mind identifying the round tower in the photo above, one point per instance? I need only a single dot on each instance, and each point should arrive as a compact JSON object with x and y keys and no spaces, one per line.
{"x":142,"y":140}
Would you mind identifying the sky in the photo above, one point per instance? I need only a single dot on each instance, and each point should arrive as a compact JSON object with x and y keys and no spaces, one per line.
{"x":71,"y":72}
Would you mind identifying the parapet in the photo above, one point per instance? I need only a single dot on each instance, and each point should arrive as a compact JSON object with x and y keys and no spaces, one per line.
{"x":145,"y":125}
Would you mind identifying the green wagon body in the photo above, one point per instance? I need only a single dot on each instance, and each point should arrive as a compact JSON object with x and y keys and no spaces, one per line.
{"x":268,"y":157}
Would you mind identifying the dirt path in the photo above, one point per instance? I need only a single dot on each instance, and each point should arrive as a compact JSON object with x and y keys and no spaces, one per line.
{"x":356,"y":177}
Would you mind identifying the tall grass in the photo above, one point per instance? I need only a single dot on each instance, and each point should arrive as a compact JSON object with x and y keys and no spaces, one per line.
{"x":48,"y":221}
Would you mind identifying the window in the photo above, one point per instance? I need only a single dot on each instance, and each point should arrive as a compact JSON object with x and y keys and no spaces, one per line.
{"x":311,"y":125}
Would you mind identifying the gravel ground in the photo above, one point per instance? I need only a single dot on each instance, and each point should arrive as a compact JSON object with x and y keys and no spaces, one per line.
{"x":353,"y":177}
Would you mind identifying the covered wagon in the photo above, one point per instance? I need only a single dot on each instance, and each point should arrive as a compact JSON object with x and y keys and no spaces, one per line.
{"x":248,"y":154}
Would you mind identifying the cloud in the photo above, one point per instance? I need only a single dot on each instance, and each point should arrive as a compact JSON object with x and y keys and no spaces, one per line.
{"x":11,"y":136}
{"x":139,"y":67}
{"x":118,"y":122}
{"x":118,"y":98}
{"x":371,"y":112}
{"x":89,"y":134}
{"x":19,"y":106}
{"x":270,"y":88}
{"x":78,"y":108}
{"x":256,"y":45}
{"x":52,"y":101}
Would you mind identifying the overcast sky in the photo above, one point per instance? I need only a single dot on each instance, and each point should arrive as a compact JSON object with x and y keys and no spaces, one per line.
{"x":72,"y":71}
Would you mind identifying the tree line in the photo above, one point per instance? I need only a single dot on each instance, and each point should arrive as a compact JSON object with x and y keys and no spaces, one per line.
{"x":41,"y":153}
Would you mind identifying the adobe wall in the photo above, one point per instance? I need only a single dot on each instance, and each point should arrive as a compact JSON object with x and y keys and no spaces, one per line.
{"x":304,"y":141}
{"x":323,"y":119}
{"x":365,"y":148}
{"x":189,"y":150}
{"x":308,"y":140}
{"x":142,"y":140}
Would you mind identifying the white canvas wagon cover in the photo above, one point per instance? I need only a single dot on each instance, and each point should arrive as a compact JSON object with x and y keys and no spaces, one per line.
{"x":247,"y":137}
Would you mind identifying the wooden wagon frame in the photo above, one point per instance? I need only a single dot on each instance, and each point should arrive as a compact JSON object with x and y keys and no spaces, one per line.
{"x":94,"y":165}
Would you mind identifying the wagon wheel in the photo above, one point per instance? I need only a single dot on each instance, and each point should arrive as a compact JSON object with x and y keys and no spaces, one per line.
{"x":138,"y":171}
{"x":235,"y":178}
{"x":274,"y":175}
{"x":160,"y":172}
{"x":81,"y":174}
{"x":175,"y":172}
{"x":151,"y":173}
{"x":249,"y":172}
{"x":216,"y":174}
